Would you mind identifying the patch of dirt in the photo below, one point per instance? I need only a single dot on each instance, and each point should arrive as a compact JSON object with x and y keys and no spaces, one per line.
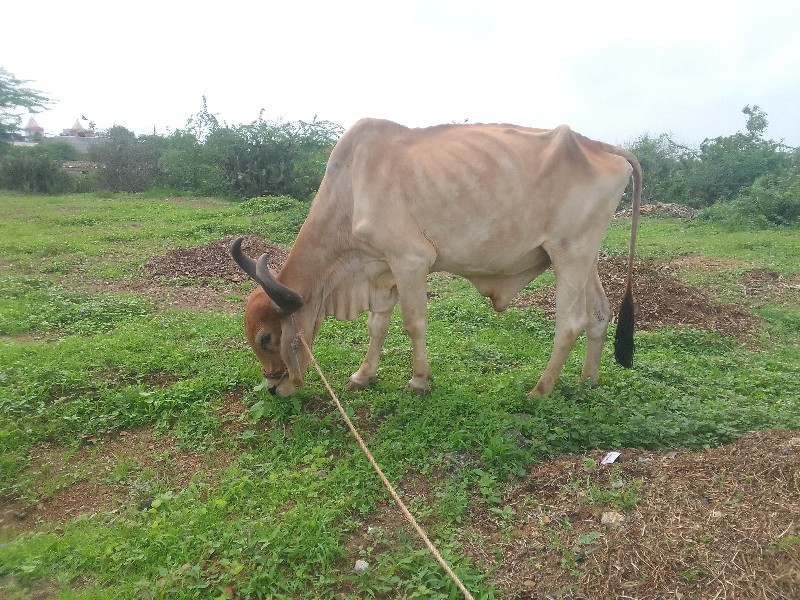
{"x":232,"y":412}
{"x":722,"y":523}
{"x":94,"y":488}
{"x":188,"y":297}
{"x":706,"y":264}
{"x":203,"y":265}
{"x":768,"y":284}
{"x":661,"y":300}
{"x":719,"y":523}
{"x":662,"y":209}
{"x":212,"y":261}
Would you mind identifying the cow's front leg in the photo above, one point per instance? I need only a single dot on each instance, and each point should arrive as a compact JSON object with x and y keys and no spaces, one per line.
{"x":415,"y":322}
{"x":378,"y":327}
{"x":412,"y":288}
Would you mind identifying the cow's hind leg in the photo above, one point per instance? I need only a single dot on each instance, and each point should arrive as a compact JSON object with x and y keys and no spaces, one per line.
{"x":378,"y":327}
{"x":598,"y":314}
{"x":571,"y":281}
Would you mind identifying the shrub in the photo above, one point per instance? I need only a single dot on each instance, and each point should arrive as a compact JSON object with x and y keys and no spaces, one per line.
{"x":130,"y":164}
{"x":772,"y":200}
{"x":190,"y":166}
{"x":36,"y":170}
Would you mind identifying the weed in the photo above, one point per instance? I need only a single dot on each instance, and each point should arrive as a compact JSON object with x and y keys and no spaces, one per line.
{"x":621,"y":497}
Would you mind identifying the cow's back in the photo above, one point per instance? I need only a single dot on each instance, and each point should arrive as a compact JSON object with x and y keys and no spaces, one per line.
{"x":486,"y":197}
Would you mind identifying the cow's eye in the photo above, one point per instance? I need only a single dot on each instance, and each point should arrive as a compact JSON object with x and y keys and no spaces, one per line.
{"x":264,"y":341}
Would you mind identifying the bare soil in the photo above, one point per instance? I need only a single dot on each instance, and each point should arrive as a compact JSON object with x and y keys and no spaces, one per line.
{"x":662,"y":300}
{"x":722,"y":523}
{"x":212,"y":261}
{"x":90,"y":480}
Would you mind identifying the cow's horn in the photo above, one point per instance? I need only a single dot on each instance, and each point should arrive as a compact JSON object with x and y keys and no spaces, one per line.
{"x":247,"y":264}
{"x":287,"y":300}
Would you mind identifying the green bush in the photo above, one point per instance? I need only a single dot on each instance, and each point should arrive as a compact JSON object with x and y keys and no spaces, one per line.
{"x":773,"y":200}
{"x":716,"y":172}
{"x":130,"y":164}
{"x":192,"y":167}
{"x":36,"y":170}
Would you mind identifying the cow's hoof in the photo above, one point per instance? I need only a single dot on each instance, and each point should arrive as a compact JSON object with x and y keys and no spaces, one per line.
{"x":356,"y":385}
{"x":420,"y":385}
{"x":538,"y":392}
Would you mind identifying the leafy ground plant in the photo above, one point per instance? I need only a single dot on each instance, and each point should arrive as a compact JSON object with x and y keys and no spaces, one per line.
{"x":140,"y":457}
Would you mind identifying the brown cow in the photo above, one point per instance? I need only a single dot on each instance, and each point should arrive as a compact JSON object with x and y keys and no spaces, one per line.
{"x":496,"y":204}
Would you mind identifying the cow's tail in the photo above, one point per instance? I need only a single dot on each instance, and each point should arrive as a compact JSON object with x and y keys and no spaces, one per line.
{"x":623,"y":342}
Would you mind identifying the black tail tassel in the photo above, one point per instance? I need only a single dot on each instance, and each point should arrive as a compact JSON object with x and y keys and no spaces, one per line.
{"x":623,"y":341}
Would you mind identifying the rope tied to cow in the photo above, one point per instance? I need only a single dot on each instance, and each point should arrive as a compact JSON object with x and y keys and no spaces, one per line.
{"x":401,"y":505}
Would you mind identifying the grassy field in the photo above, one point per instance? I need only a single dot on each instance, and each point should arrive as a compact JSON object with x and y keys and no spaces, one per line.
{"x":140,"y":457}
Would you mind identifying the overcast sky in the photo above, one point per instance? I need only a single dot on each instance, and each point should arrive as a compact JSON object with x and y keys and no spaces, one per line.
{"x":612,"y":70}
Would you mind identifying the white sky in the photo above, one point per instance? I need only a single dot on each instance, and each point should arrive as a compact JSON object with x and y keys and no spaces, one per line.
{"x":610,"y":69}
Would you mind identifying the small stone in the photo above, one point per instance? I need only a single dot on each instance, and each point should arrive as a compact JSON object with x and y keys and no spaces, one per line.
{"x":643,"y":460}
{"x":612,"y":519}
{"x":529,"y":584}
{"x":361,"y":566}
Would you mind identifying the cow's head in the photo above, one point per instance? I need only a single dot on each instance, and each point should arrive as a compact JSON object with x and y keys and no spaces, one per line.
{"x":269,"y":325}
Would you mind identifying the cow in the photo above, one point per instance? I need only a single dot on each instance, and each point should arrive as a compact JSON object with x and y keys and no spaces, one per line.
{"x":497,"y":204}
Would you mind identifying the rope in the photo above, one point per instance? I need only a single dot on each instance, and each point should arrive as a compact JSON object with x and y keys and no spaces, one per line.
{"x":406,"y":513}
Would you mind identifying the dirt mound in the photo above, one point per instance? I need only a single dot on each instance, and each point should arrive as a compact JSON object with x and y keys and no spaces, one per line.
{"x":720,"y":523}
{"x":765,"y":283}
{"x":661,"y":300}
{"x":663,"y":209}
{"x":212,"y":261}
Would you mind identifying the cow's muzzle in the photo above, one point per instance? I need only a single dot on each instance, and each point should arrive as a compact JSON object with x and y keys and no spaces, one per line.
{"x":277,"y":377}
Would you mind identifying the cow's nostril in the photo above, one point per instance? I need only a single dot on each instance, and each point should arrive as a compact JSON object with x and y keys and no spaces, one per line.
{"x":273,"y":390}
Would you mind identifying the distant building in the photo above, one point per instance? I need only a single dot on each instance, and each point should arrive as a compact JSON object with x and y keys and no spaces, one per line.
{"x":78,"y":130}
{"x":32,"y":130}
{"x":77,"y":136}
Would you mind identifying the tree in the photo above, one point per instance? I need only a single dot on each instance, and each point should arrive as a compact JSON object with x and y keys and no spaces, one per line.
{"x":661,"y":159}
{"x":15,"y":95}
{"x":130,"y":164}
{"x":756,"y":121}
{"x":729,"y":164}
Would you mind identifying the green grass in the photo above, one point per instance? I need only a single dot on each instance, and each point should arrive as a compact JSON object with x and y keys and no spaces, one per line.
{"x":663,"y":239}
{"x":275,"y":521}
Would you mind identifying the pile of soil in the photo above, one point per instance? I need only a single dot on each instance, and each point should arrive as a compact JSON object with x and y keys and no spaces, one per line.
{"x":663,"y":209}
{"x":764,"y":283}
{"x":661,"y":300}
{"x":721,"y":523}
{"x":213,"y":261}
